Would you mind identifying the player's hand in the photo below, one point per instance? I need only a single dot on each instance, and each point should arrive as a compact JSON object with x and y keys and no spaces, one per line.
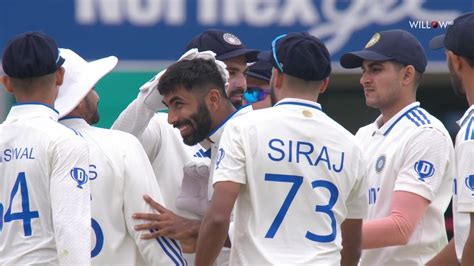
{"x":194,"y":187}
{"x":166,"y":223}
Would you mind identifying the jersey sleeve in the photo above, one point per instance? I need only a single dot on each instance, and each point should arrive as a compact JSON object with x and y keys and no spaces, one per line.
{"x":140,"y":180}
{"x":427,"y":156}
{"x":230,"y":158}
{"x":135,"y":119}
{"x":357,"y":201}
{"x":465,"y":176}
{"x":70,"y":200}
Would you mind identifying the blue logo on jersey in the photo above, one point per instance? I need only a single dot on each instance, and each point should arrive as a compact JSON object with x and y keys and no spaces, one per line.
{"x":424,"y":169}
{"x":470,"y":183}
{"x":79,"y":175}
{"x":380,"y":164}
{"x":220,"y":156}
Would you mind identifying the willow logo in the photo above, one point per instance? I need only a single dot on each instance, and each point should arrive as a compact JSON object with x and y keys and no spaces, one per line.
{"x":426,"y":24}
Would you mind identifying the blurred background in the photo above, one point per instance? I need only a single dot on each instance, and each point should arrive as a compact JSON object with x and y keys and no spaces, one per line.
{"x":148,"y":35}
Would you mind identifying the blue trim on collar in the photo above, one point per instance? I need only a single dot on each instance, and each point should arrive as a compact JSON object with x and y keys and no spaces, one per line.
{"x":298,"y":103}
{"x":69,"y":117}
{"x":36,"y":103}
{"x":223,"y":122}
{"x":398,"y":119}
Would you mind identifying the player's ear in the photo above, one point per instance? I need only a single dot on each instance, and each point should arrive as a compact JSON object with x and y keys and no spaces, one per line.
{"x":409,"y":74}
{"x":213,"y":99}
{"x":454,"y":60}
{"x":324,"y":85}
{"x":59,"y":76}
{"x":7,"y":84}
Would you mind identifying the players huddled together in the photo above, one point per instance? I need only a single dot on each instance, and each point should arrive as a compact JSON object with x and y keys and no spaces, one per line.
{"x":227,"y":158}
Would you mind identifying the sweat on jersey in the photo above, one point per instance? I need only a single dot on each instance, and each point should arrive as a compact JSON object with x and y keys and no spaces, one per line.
{"x":120,"y":174}
{"x":411,"y":152}
{"x":302,"y":175}
{"x":463,"y":200}
{"x":45,"y":215}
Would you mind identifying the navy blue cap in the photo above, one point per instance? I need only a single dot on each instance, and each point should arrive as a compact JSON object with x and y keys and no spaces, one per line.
{"x":300,"y":55}
{"x":225,"y":44}
{"x":31,"y":54}
{"x":459,"y":37}
{"x":260,"y":70}
{"x":396,"y":45}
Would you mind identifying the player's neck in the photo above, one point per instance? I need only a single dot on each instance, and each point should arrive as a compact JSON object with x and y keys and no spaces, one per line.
{"x":468,"y":83}
{"x":392,"y":110}
{"x":221,"y":115}
{"x":45,"y":97}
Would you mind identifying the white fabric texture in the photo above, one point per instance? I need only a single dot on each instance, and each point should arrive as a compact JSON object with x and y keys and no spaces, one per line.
{"x":48,"y":163}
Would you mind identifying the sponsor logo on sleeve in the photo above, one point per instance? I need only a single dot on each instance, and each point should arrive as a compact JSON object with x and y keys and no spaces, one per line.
{"x":80,"y":176}
{"x":220,"y":157}
{"x":424,"y":169}
{"x":470,"y":183}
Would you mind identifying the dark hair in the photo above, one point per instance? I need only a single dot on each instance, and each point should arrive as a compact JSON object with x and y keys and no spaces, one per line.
{"x":196,"y":74}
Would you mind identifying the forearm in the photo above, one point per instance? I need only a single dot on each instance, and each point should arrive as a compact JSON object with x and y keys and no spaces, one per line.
{"x":351,"y":230}
{"x":406,"y":212}
{"x":447,"y":256}
{"x":211,"y":239}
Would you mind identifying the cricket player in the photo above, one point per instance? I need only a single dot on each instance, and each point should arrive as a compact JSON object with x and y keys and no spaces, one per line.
{"x":297,"y":177}
{"x":45,"y":214}
{"x":459,"y":48}
{"x":119,"y":172}
{"x":409,"y":152}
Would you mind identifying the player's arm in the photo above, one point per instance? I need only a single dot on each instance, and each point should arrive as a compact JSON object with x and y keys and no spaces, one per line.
{"x":351,"y":231}
{"x":406,"y":212}
{"x":413,"y":189}
{"x":137,"y":117}
{"x":215,"y":224}
{"x":447,"y":256}
{"x":70,"y":200}
{"x":467,"y":254}
{"x":140,"y":180}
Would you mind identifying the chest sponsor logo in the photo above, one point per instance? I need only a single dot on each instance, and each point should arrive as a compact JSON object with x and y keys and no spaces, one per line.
{"x":220,"y":157}
{"x":380,"y":164}
{"x":80,"y":176}
{"x":469,"y":181}
{"x":424,"y":169}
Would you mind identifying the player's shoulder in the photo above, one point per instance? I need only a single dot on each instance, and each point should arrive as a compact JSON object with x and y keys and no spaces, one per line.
{"x":57,"y":132}
{"x":115,"y":137}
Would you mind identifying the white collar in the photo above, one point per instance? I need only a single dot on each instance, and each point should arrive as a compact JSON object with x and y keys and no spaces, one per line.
{"x":215,"y":135}
{"x":299,"y":102}
{"x":32,"y":109}
{"x":466,"y":115}
{"x":388,"y":126}
{"x":74,"y":122}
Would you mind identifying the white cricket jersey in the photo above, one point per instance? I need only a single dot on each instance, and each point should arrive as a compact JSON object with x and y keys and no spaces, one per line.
{"x":302,"y":175}
{"x":411,"y":152}
{"x":463,"y":199}
{"x":120,"y":174}
{"x":45,"y":215}
{"x":164,"y":146}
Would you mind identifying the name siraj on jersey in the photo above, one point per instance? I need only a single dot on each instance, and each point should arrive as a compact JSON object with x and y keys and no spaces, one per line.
{"x":295,"y":151}
{"x":23,"y":153}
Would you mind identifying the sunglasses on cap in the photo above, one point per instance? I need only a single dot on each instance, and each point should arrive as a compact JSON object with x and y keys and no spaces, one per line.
{"x":255,"y":94}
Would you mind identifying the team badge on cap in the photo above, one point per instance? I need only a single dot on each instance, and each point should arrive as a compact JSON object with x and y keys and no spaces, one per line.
{"x":231,"y":39}
{"x":375,"y":39}
{"x":379,"y":165}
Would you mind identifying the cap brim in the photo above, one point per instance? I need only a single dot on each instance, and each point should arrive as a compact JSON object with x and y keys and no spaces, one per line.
{"x":437,"y":42}
{"x":250,"y":54}
{"x":257,"y":76}
{"x":266,"y":56}
{"x":354,"y":59}
{"x":73,"y":90}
